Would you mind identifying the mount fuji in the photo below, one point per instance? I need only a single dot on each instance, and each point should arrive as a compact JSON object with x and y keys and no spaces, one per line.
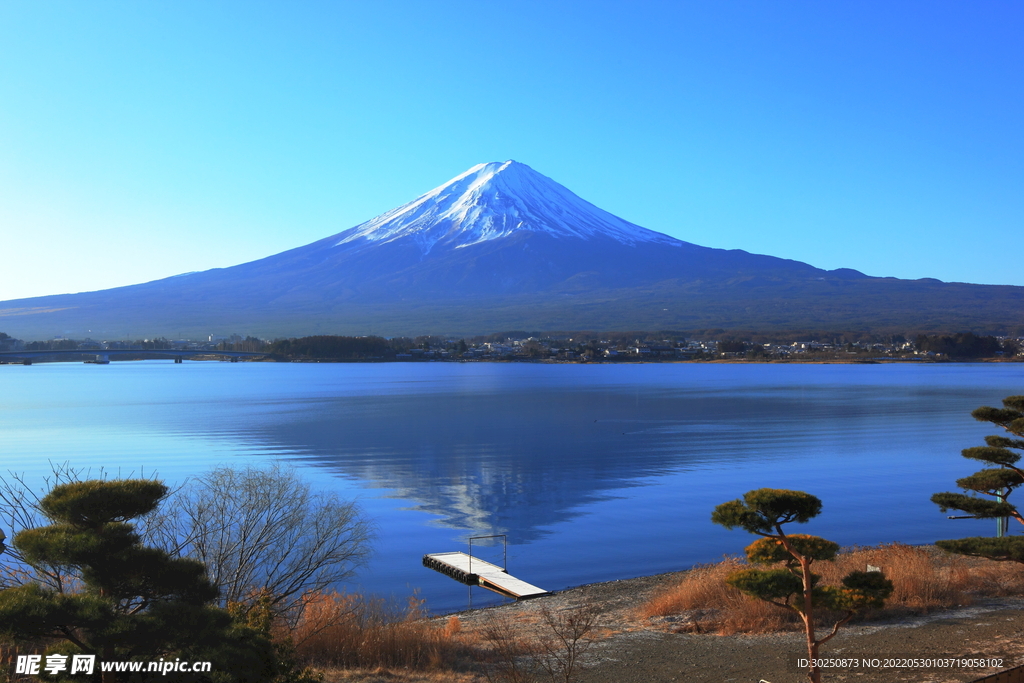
{"x":503,"y":247}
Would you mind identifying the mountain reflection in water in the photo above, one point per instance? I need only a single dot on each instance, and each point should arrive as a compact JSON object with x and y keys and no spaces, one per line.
{"x":594,"y":472}
{"x":513,"y":460}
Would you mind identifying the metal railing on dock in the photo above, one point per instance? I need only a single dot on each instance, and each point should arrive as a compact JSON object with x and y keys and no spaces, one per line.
{"x":473,"y":571}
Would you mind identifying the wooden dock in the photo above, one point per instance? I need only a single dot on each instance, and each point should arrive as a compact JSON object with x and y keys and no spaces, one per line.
{"x":473,"y":571}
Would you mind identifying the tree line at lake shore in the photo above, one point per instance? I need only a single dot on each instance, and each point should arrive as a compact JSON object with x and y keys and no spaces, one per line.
{"x":577,"y":346}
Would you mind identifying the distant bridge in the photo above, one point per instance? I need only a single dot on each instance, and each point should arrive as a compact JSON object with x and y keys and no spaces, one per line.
{"x":103,"y":356}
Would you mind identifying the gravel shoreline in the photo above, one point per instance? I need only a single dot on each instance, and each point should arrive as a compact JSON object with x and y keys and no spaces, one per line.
{"x":647,"y":651}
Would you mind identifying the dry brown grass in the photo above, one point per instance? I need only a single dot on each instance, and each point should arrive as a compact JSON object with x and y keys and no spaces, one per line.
{"x":339,"y":630}
{"x":383,"y":675}
{"x":924,"y":579}
{"x":706,"y":604}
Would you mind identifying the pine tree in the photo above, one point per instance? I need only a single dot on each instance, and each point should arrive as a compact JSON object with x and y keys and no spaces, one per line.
{"x":132,"y":602}
{"x":1000,"y":478}
{"x":790,"y":583}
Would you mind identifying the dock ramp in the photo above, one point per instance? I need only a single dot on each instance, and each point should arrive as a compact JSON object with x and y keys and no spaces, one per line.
{"x":473,"y":571}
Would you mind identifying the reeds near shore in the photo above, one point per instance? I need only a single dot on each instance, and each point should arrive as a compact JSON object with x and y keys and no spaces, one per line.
{"x":340,"y":632}
{"x":346,"y":630}
{"x":924,"y":579}
{"x":704,"y":603}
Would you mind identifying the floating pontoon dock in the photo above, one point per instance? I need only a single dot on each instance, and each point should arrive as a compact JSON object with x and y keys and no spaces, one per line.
{"x":473,"y":571}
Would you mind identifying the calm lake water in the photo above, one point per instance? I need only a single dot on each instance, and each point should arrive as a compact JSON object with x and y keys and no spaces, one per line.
{"x":595,"y":472}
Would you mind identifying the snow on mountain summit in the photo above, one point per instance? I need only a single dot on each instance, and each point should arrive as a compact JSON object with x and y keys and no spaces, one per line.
{"x":495,"y":200}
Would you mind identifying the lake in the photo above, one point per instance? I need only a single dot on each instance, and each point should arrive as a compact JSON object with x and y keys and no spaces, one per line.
{"x":594,"y":472}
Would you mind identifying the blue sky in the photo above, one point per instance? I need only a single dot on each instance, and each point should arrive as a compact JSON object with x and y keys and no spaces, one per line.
{"x":141,"y":140}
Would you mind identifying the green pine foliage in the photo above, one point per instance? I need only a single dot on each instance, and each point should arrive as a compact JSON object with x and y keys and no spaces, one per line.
{"x":787,"y":579}
{"x":1004,"y":549}
{"x":1002,"y":476}
{"x":763,"y":511}
{"x":128,"y":601}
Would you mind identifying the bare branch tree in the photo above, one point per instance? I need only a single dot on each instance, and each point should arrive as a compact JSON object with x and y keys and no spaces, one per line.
{"x":557,"y":651}
{"x":513,"y":653}
{"x":259,"y":530}
{"x":571,"y":632}
{"x":264,"y":531}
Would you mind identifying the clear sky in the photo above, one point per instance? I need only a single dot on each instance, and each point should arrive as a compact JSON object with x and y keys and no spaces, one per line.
{"x":140,"y":140}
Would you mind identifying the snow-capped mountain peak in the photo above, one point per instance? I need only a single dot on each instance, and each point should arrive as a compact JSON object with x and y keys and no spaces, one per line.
{"x":491,"y":201}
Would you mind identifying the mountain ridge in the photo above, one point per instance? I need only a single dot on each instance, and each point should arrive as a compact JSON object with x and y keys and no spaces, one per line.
{"x":501,"y":246}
